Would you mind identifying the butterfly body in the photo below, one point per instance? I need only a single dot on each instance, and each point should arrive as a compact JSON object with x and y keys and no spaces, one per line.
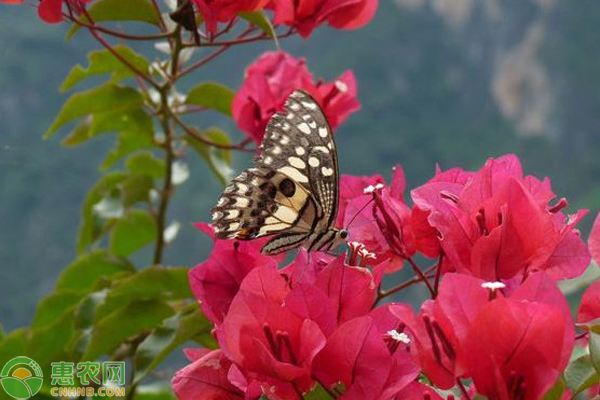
{"x":292,"y":192}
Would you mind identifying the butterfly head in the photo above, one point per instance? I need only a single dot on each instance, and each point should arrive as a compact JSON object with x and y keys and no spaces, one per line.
{"x":329,"y":240}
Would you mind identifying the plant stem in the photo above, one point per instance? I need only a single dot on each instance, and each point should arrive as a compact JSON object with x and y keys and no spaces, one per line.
{"x":421,"y":275}
{"x":110,"y":48}
{"x":383,"y":294}
{"x":463,"y":390}
{"x":165,"y":121}
{"x":190,"y":131}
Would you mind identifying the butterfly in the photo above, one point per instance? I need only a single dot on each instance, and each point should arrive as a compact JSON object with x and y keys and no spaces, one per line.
{"x":292,"y":191}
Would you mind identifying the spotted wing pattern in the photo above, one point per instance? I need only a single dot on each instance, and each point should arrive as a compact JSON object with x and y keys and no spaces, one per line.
{"x":292,"y":190}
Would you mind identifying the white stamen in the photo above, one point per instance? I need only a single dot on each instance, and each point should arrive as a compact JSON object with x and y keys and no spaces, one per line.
{"x":354,"y":246}
{"x":399,"y":337}
{"x":370,"y":189}
{"x":364,"y":253}
{"x":493,"y":285}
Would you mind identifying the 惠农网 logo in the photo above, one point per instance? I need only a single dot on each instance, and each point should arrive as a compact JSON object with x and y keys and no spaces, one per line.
{"x":21,"y":377}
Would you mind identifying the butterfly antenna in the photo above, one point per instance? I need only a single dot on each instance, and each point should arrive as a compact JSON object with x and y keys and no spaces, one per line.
{"x":359,"y":211}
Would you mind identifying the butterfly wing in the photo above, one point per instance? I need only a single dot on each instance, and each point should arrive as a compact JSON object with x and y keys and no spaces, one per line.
{"x":292,"y":191}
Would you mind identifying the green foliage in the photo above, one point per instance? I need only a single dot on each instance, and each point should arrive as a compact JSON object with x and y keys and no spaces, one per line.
{"x":146,"y":163}
{"x":118,"y":10}
{"x":213,"y":96}
{"x":175,"y":331}
{"x":581,"y":375}
{"x":107,"y":98}
{"x":318,"y":393}
{"x":117,"y":327}
{"x":556,"y":391}
{"x":108,"y":302}
{"x":132,"y":232}
{"x":218,"y":160}
{"x":259,"y":19}
{"x":92,"y":268}
{"x":103,"y":62}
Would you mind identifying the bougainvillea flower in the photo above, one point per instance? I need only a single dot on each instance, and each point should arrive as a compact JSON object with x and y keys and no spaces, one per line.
{"x":515,"y":349}
{"x":442,"y":330}
{"x":265,"y":336}
{"x":351,"y":290}
{"x":389,"y":228}
{"x":418,"y":391}
{"x":368,"y":357}
{"x":271,"y":79}
{"x":51,"y":11}
{"x":589,"y":309}
{"x":205,"y":378}
{"x":216,"y":281}
{"x":215,"y":11}
{"x":306,"y":15}
{"x":594,"y":240}
{"x":353,"y":187}
{"x":498,"y":224}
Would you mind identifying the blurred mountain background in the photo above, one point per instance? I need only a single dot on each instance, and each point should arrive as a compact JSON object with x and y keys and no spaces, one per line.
{"x":451,"y":82}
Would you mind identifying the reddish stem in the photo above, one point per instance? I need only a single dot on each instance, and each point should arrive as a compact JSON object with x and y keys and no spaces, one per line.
{"x":462,"y":388}
{"x":202,"y":139}
{"x":118,"y":34}
{"x":422,"y":275}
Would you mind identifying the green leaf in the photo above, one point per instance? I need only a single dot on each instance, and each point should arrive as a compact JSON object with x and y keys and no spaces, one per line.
{"x":13,"y":344}
{"x":260,"y":20}
{"x":130,"y":320}
{"x":105,"y":98}
{"x":154,"y":391}
{"x":84,"y":272}
{"x":104,"y":62}
{"x":90,"y":229}
{"x":213,"y":96}
{"x":119,"y":10}
{"x":134,"y":120}
{"x":580,"y":374}
{"x":51,"y":308}
{"x":132,"y":232}
{"x":172,"y":333}
{"x":155,"y":282}
{"x":594,"y":345}
{"x":137,"y":189}
{"x":146,"y":163}
{"x":2,"y":333}
{"x":556,"y":391}
{"x":127,"y":143}
{"x":218,"y":160}
{"x":80,"y":134}
{"x":318,"y":393}
{"x":591,"y":326}
{"x":48,"y":342}
{"x":83,"y":318}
